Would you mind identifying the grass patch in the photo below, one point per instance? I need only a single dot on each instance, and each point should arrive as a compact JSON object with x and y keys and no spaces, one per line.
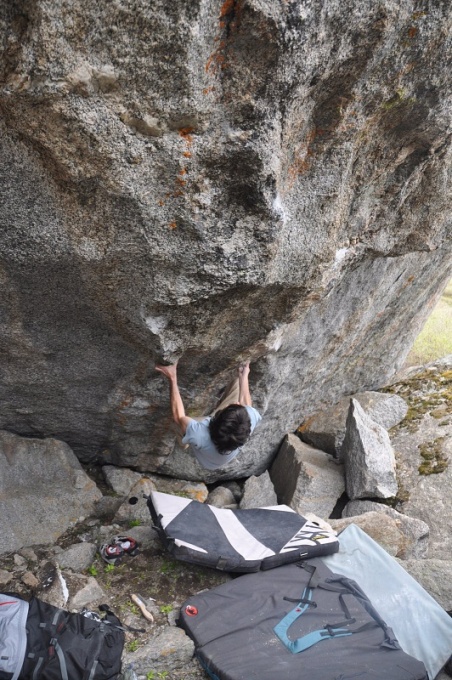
{"x":166,"y":608}
{"x":133,"y":646}
{"x":435,"y":339}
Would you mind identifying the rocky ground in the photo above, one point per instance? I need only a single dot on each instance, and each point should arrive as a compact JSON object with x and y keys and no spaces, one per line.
{"x":70,"y":572}
{"x":161,"y":581}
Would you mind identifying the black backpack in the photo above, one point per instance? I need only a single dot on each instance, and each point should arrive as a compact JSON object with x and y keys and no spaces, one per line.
{"x":41,"y":642}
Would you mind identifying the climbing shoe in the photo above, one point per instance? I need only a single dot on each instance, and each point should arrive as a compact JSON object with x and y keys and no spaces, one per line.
{"x":118,"y":547}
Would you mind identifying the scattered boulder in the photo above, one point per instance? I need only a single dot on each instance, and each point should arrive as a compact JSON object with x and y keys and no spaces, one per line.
{"x":84,"y":591}
{"x":170,"y":650}
{"x":43,"y":491}
{"x":235,"y":488}
{"x":30,"y":580}
{"x":19,"y":561}
{"x":382,"y":528}
{"x":107,"y":531}
{"x":369,"y":457}
{"x":221,"y":497}
{"x":120,"y":480}
{"x":325,"y":430}
{"x":77,"y":557}
{"x":145,"y":535}
{"x":108,"y":506}
{"x":135,"y":508}
{"x":5,"y":577}
{"x":52,"y":585}
{"x":67,"y":589}
{"x":415,"y":531}
{"x":258,"y":492}
{"x":29,"y":554}
{"x":306,"y":479}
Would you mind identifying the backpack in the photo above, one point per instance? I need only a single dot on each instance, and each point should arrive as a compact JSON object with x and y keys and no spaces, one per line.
{"x":41,"y":642}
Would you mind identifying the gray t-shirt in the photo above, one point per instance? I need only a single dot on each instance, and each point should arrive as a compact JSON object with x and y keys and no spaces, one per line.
{"x":198,"y":436}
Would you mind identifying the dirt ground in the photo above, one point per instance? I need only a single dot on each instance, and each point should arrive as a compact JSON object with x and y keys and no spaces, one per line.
{"x":152,"y":573}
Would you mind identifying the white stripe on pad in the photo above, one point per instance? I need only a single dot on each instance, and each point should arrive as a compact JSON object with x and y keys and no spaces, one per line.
{"x":241,"y":540}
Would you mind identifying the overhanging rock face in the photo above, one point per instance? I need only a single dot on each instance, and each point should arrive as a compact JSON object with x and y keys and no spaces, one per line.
{"x":214,"y":181}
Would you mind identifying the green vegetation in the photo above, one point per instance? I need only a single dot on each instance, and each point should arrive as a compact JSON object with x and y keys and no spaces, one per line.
{"x":166,"y":608}
{"x":133,"y":607}
{"x":133,"y":646}
{"x":134,"y":523}
{"x":92,"y":570}
{"x":435,"y":339}
{"x":108,"y":568}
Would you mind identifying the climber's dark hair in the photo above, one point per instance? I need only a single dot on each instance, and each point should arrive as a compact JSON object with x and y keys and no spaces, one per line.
{"x":230,"y":428}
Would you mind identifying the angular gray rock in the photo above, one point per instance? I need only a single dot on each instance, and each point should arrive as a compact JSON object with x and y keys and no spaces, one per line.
{"x":53,"y":587}
{"x":108,"y":506}
{"x":5,"y":577}
{"x":382,"y":528}
{"x":43,"y":491}
{"x":135,"y":506}
{"x":19,"y":562}
{"x":120,"y":480}
{"x":77,"y":557}
{"x":169,"y":650}
{"x":258,"y":492}
{"x":165,"y":195}
{"x":326,"y":430}
{"x":416,"y":531}
{"x":84,"y":591}
{"x":67,"y":589}
{"x":221,"y":497}
{"x":29,"y":554}
{"x":306,"y":479}
{"x":368,"y":456}
{"x":235,"y":488}
{"x":30,"y":580}
{"x":145,"y":535}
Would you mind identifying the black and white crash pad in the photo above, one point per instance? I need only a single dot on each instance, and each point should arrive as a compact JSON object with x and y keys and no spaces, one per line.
{"x":291,"y":623}
{"x":236,"y":540}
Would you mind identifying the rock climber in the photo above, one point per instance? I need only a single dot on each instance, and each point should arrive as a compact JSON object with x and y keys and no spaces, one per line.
{"x":216,"y":439}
